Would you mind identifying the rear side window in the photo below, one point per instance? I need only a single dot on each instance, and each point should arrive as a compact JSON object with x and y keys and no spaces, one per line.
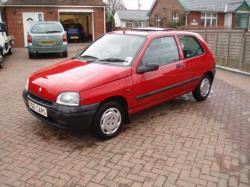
{"x":191,"y":47}
{"x":161,"y":51}
{"x":42,"y":28}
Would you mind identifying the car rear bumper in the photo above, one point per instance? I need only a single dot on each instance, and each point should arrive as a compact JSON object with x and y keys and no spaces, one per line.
{"x":79,"y":117}
{"x":49,"y":49}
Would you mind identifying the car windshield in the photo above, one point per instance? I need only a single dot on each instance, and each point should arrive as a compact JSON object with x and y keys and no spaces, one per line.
{"x":42,"y":28}
{"x":114,"y":48}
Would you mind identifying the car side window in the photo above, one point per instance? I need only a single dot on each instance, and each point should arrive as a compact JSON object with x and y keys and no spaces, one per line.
{"x":191,"y":47}
{"x":161,"y":51}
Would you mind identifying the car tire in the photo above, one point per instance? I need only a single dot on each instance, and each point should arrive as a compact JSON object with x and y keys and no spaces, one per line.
{"x":10,"y":52}
{"x":202,"y":91}
{"x":65,"y":54}
{"x":1,"y":62}
{"x":31,"y":55}
{"x":108,"y":120}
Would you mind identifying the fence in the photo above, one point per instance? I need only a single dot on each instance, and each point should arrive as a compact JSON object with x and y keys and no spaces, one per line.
{"x":230,"y":47}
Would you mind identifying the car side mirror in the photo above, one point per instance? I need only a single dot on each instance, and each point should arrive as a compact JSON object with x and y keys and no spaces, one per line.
{"x":147,"y":68}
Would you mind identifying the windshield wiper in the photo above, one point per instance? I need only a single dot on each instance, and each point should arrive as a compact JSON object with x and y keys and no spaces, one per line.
{"x":113,"y":60}
{"x":88,"y":57}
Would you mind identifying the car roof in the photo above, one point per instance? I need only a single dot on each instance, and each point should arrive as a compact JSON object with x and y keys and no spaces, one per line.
{"x":46,"y":22}
{"x":154,"y":33}
{"x":151,"y":29}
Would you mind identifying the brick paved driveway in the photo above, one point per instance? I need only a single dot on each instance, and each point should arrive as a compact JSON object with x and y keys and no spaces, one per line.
{"x":179,"y":143}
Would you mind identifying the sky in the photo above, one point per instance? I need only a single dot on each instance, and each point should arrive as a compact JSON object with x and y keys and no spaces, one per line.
{"x":133,"y":4}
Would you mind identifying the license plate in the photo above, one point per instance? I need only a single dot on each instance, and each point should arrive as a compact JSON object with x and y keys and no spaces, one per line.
{"x":39,"y":109}
{"x":74,"y":37}
{"x":48,"y":42}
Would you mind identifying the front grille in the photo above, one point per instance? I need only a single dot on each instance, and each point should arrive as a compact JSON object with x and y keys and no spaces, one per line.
{"x":38,"y":99}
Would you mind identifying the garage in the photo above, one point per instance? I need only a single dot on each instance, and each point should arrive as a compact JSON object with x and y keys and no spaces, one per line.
{"x":84,"y":20}
{"x":78,"y":24}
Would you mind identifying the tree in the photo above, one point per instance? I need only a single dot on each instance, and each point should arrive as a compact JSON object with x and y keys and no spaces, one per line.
{"x":115,"y":5}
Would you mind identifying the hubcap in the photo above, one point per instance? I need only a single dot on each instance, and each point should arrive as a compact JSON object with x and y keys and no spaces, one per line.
{"x":205,"y":87}
{"x":111,"y":121}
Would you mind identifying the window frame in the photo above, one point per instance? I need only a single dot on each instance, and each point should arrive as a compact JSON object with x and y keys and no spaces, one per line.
{"x":177,"y":47}
{"x":175,"y":17}
{"x":239,"y":15}
{"x":210,"y":17}
{"x":197,"y":40}
{"x":157,"y":21}
{"x":128,"y":23}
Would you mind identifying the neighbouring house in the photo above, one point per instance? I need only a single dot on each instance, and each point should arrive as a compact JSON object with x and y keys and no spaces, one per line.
{"x":20,"y":14}
{"x":131,"y":18}
{"x":237,"y":15}
{"x":166,"y":12}
{"x":230,"y":14}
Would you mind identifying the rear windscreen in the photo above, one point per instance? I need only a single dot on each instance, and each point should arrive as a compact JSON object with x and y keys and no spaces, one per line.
{"x":46,"y":28}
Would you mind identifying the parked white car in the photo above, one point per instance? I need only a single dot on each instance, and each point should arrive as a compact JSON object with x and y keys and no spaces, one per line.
{"x":6,"y":43}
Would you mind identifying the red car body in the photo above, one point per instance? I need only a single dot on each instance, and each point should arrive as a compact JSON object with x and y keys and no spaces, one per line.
{"x":97,"y":83}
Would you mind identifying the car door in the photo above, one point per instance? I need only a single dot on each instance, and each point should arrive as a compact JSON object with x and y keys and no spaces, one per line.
{"x":194,"y":57}
{"x":154,"y":87}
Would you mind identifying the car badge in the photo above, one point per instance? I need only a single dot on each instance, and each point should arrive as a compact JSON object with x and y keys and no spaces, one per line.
{"x":40,"y":90}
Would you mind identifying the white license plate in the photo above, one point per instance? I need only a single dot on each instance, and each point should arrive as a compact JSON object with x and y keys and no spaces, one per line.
{"x":74,"y":37}
{"x":37,"y":108}
{"x":48,"y":42}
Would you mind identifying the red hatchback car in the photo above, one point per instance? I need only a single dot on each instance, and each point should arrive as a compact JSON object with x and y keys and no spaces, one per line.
{"x":121,"y":73}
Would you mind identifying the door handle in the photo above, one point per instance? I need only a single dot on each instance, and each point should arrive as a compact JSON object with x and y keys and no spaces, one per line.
{"x":178,"y":66}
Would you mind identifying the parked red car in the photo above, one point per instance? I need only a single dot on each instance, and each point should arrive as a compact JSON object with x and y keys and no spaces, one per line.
{"x":121,"y":73}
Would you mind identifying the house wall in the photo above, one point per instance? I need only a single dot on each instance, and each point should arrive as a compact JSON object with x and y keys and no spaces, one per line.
{"x":14,"y":20}
{"x":165,"y":10}
{"x":117,"y":20}
{"x":228,"y":20}
{"x":134,"y":25}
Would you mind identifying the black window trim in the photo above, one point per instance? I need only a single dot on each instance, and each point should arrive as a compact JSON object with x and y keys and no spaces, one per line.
{"x":171,"y":62}
{"x":196,"y":39}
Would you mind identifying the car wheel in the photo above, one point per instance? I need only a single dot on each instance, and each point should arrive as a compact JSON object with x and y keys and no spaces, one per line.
{"x":1,"y":62}
{"x":109,"y":120}
{"x":10,"y":51}
{"x":203,"y":89}
{"x":31,"y":55}
{"x":65,"y":54}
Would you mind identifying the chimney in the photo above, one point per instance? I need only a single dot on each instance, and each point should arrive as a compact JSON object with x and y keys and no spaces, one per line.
{"x":139,"y":5}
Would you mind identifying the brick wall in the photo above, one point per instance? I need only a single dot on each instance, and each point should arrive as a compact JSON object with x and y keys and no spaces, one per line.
{"x":14,"y":21}
{"x":165,"y":9}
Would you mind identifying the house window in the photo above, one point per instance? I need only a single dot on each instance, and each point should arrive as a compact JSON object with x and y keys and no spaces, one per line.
{"x":129,"y":25}
{"x":242,"y":20}
{"x":157,"y":21}
{"x":176,"y":17}
{"x":137,"y":24}
{"x":209,"y":19}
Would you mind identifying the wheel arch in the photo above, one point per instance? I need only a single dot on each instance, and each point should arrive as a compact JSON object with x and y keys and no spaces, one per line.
{"x":123,"y":102}
{"x":210,"y":74}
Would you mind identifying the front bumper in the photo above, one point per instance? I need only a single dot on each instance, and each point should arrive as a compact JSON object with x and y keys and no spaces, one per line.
{"x":79,"y":117}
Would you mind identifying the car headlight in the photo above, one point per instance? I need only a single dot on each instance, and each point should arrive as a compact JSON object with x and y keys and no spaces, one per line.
{"x":69,"y":99}
{"x":27,"y":85}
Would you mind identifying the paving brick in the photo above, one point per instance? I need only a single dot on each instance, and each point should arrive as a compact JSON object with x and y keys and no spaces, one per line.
{"x":160,"y":180}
